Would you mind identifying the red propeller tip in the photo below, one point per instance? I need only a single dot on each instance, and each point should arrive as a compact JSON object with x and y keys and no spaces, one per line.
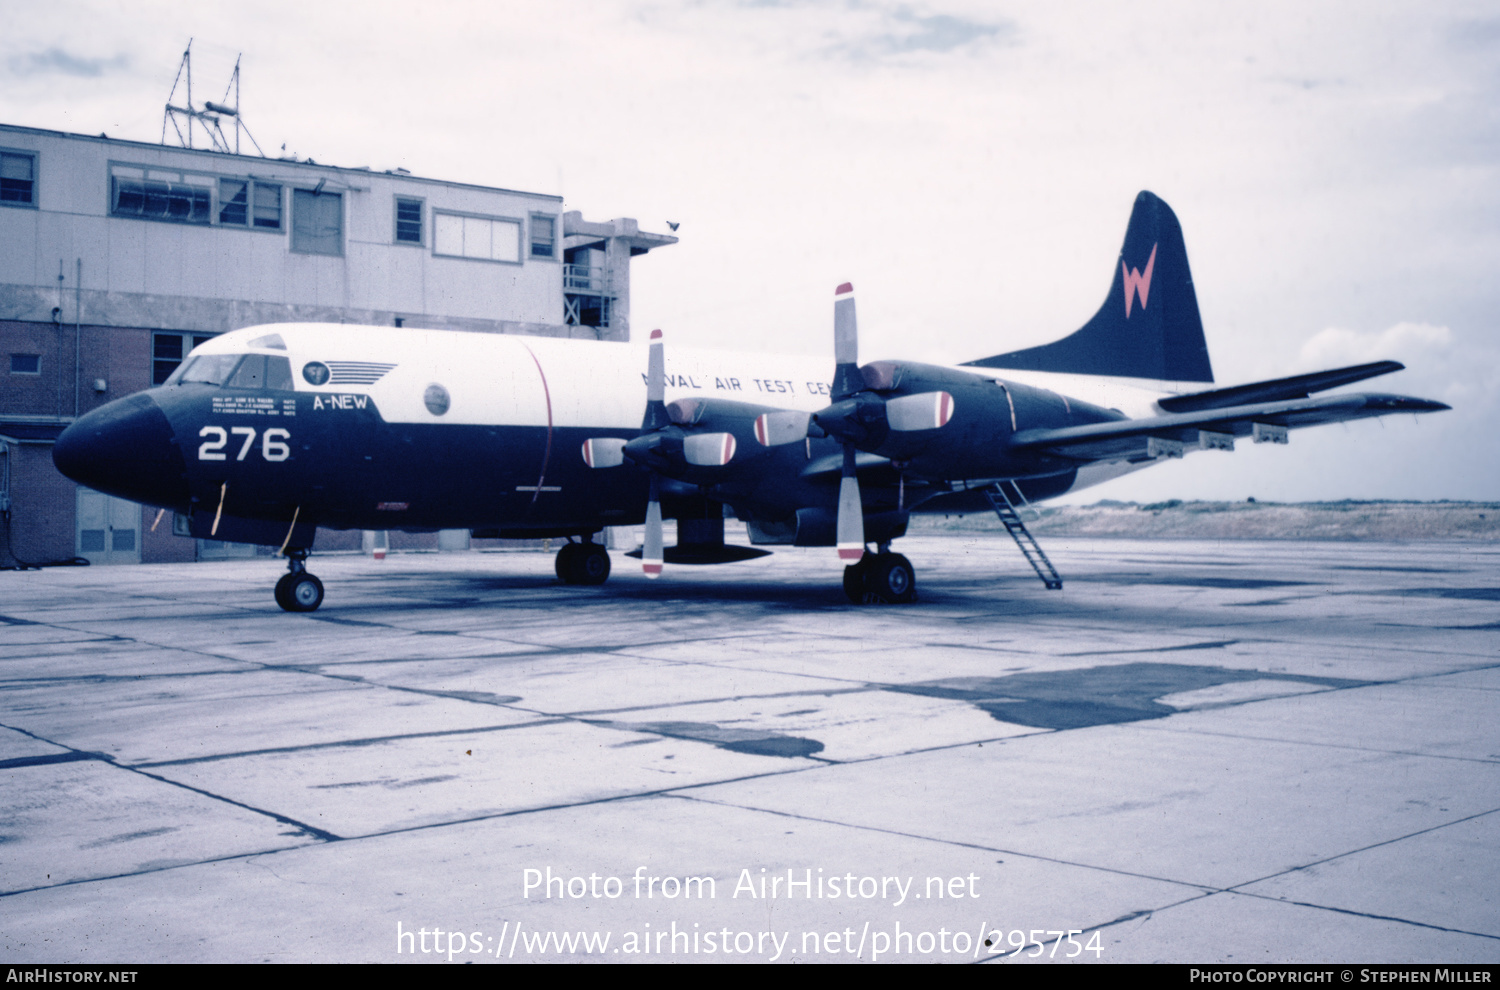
{"x":846,"y":287}
{"x":656,"y":335}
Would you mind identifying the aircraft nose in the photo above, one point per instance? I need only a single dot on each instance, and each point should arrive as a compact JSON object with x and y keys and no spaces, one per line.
{"x":125,"y":448}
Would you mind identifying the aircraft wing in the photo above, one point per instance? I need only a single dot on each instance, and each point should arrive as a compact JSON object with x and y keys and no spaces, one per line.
{"x":1171,"y":434}
{"x":1277,"y":389}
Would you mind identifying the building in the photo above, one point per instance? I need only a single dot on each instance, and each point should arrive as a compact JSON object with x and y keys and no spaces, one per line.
{"x":118,"y":257}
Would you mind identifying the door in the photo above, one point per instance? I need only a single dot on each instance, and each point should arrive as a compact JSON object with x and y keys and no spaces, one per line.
{"x":109,"y":529}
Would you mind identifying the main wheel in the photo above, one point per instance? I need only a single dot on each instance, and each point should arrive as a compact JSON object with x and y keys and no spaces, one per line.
{"x":567,"y":563}
{"x":281,"y":593}
{"x":890,"y":578}
{"x":592,"y":565}
{"x":854,"y":581}
{"x":301,"y":592}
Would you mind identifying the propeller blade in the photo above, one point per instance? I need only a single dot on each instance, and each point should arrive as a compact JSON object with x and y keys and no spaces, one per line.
{"x":656,"y":385}
{"x":709,"y":449}
{"x":604,"y":452}
{"x":850,"y":532}
{"x":776,"y":428}
{"x":846,"y":377}
{"x":923,"y":411}
{"x":651,"y":554}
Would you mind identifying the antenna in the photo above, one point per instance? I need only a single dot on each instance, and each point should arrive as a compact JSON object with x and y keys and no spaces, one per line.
{"x":210,"y":116}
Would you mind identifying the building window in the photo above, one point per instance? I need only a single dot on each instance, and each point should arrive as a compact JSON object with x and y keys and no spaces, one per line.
{"x":485,"y":238}
{"x":317,"y":222}
{"x":26,"y":364}
{"x":543,"y":236}
{"x":235,"y":198}
{"x":267,"y":206}
{"x":156,"y":195}
{"x":189,"y":197}
{"x":408,"y":221}
{"x":234,"y":202}
{"x":168,"y":350}
{"x":17,"y":178}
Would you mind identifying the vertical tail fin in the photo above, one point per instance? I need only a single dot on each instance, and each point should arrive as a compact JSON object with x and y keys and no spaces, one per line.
{"x":1149,"y":325}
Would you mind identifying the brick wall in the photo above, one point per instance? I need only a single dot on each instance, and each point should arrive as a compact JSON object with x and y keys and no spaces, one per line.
{"x":43,"y":508}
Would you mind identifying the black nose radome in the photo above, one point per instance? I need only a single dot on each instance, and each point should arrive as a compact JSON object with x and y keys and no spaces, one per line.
{"x":126,"y":449}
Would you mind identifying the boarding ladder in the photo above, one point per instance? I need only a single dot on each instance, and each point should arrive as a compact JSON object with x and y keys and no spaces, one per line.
{"x":1005,"y":508}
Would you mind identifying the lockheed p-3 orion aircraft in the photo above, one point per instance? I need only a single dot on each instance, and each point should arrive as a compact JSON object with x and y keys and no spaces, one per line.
{"x":266,"y":433}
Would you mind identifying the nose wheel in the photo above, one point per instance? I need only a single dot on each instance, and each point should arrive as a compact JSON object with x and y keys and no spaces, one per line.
{"x":298,"y":590}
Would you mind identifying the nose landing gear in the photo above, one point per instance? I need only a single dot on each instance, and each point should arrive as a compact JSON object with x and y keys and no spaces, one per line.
{"x":298,"y":590}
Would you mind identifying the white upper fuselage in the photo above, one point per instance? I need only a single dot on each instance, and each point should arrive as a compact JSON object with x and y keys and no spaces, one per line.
{"x":541,"y":381}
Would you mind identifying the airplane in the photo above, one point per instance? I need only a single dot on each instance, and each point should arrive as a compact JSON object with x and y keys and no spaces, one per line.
{"x":264,"y":434}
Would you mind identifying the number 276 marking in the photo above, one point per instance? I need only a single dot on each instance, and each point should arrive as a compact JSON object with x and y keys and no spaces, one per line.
{"x":273,"y":446}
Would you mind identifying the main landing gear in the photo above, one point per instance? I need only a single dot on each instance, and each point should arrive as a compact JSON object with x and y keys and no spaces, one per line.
{"x":298,"y":590}
{"x":583,"y":563}
{"x":882,"y":577}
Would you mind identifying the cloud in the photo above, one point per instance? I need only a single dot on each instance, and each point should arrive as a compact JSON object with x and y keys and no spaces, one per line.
{"x":1336,"y":345}
{"x":940,"y":33}
{"x":56,"y":61}
{"x":869,"y":31}
{"x":1464,"y":373}
{"x":1474,"y":33}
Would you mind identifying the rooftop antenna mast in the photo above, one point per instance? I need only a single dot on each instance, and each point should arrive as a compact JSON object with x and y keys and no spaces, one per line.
{"x":210,"y":117}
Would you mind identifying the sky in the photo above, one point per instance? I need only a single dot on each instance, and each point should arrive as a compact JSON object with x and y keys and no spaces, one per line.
{"x":969,"y":166}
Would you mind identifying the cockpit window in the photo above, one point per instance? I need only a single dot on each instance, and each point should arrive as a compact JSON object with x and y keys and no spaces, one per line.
{"x":236,"y":371}
{"x":250,"y":374}
{"x":278,"y":373}
{"x":211,"y":369}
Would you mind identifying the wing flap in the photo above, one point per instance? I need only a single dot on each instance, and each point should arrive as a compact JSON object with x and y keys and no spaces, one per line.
{"x":1131,"y":439}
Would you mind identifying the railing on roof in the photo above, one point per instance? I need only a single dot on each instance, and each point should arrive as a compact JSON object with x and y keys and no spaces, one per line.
{"x":587,"y":278}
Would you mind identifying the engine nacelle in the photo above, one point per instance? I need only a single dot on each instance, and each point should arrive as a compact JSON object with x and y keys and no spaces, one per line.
{"x":944,"y":423}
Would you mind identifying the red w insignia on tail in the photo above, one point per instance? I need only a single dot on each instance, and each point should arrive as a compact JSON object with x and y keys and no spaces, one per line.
{"x":1138,"y":281}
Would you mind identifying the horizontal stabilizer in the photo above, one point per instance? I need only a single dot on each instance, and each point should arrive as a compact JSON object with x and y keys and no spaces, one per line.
{"x":1142,"y":439}
{"x":1277,"y":389}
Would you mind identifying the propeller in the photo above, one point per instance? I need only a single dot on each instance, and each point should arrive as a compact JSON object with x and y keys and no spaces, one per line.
{"x":859,"y":417}
{"x":664,"y":448}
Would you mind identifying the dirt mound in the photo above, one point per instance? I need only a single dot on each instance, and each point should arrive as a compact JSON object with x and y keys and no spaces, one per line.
{"x":1176,"y":519}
